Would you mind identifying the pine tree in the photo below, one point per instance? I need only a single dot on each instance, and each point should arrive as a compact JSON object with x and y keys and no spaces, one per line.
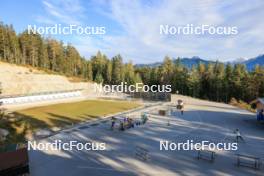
{"x":227,"y":83}
{"x":129,"y":75}
{"x":194,"y":82}
{"x":218,"y":80}
{"x":167,"y":70}
{"x":98,"y":64}
{"x":99,"y":78}
{"x":108,"y":72}
{"x":89,"y":71}
{"x":214,"y":81}
{"x":118,"y":71}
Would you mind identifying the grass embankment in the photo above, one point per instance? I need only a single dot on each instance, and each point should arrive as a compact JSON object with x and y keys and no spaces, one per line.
{"x":29,"y":120}
{"x":241,"y":104}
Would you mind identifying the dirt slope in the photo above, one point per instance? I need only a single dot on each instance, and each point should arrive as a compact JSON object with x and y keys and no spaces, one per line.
{"x":23,"y":80}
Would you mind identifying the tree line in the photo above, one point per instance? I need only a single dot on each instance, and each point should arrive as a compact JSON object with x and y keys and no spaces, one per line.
{"x":214,"y":81}
{"x":52,"y":55}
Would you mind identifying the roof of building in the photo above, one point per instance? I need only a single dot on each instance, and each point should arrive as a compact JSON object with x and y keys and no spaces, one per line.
{"x":261,"y":100}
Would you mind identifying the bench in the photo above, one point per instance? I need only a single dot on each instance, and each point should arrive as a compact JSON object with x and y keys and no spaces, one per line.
{"x":142,"y":153}
{"x":127,"y":125}
{"x":15,"y":162}
{"x":162,"y":112}
{"x":180,"y":107}
{"x":206,"y":155}
{"x":248,"y":161}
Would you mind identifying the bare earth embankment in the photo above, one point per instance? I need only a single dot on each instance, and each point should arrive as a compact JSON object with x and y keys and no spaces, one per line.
{"x":17,"y":80}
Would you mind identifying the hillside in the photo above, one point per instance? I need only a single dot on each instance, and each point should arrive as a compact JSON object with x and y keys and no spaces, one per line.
{"x":251,"y":63}
{"x":190,"y":62}
{"x":193,"y":61}
{"x":24,"y":80}
{"x":187,"y":62}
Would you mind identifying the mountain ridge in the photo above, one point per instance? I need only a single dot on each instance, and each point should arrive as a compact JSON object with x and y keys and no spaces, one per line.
{"x":195,"y":60}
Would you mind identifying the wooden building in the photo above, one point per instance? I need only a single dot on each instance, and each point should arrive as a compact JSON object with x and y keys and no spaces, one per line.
{"x":259,"y":103}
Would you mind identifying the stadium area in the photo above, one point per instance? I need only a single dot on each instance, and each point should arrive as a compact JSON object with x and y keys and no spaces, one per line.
{"x":136,"y":151}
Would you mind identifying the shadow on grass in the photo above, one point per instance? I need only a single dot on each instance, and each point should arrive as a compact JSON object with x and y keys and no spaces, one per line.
{"x":60,"y":120}
{"x":21,"y":125}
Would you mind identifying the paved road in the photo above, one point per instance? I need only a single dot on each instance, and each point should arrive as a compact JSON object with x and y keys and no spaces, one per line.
{"x":202,"y":120}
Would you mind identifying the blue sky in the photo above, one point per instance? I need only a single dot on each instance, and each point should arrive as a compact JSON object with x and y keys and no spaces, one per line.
{"x":132,"y":26}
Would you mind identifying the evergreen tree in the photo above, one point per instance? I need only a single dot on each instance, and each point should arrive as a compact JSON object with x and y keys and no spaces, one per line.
{"x":227,"y":83}
{"x":118,"y":71}
{"x":129,"y":75}
{"x":214,"y":81}
{"x":108,"y":72}
{"x":89,"y":71}
{"x":98,"y":64}
{"x":99,"y":78}
{"x":194,"y":82}
{"x":167,"y":71}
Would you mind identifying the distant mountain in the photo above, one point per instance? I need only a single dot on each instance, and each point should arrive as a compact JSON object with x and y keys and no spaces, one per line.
{"x":190,"y":62}
{"x":152,"y":65}
{"x":251,"y":63}
{"x":238,"y":61}
{"x":187,"y":62}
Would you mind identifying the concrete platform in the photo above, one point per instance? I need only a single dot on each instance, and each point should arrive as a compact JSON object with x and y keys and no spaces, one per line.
{"x":202,"y":120}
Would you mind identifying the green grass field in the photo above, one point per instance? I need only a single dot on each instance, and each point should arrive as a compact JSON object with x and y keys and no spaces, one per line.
{"x":59,"y":115}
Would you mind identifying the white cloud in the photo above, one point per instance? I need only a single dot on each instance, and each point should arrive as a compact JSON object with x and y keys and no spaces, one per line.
{"x":140,"y":40}
{"x":67,"y":12}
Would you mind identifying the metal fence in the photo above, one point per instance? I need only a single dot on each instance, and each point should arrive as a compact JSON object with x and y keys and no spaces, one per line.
{"x":151,"y":96}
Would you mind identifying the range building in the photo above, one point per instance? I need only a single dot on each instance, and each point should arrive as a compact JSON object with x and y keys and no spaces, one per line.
{"x":259,"y":103}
